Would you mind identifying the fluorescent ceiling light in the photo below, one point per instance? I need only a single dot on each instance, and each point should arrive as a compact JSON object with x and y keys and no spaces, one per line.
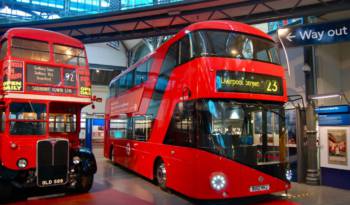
{"x":325,"y":96}
{"x":331,"y":95}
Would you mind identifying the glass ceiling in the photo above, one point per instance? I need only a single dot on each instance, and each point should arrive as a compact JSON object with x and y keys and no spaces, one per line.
{"x":12,"y":11}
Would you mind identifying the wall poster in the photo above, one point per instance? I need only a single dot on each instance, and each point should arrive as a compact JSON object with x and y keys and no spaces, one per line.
{"x":334,"y":145}
{"x":337,"y":150}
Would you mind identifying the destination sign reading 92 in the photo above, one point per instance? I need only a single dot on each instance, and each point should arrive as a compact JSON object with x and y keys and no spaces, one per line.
{"x":235,"y":81}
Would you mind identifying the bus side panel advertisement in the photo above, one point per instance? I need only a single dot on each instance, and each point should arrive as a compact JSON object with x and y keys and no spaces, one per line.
{"x":84,"y":82}
{"x":13,"y":76}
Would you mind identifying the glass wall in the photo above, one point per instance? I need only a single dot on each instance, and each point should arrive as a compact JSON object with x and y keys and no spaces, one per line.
{"x":35,"y":10}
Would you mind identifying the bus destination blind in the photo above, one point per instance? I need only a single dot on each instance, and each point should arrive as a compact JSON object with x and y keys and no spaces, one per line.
{"x":235,"y":81}
{"x":49,"y":79}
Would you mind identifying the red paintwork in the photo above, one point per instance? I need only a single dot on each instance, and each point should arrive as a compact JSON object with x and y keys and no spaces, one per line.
{"x":189,"y":170}
{"x":26,"y":145}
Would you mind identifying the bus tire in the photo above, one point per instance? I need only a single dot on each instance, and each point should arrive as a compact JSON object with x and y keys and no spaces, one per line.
{"x":111,"y":155}
{"x":84,"y":183}
{"x":161,"y":174}
{"x":6,"y":191}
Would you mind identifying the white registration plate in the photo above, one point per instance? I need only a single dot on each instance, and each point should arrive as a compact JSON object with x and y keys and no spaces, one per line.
{"x":259,"y":188}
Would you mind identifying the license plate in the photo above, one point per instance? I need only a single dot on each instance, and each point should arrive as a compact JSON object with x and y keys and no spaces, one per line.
{"x":259,"y":188}
{"x":53,"y":182}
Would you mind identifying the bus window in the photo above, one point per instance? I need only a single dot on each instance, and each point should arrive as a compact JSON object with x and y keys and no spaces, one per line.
{"x":244,"y":132}
{"x":27,"y":119}
{"x":62,"y":122}
{"x":113,"y":89}
{"x":171,"y":59}
{"x":130,"y":79}
{"x":234,"y":45}
{"x":142,"y":128}
{"x":181,"y":128}
{"x":69,"y":55}
{"x":2,"y":123}
{"x":185,"y":51}
{"x":117,"y":128}
{"x":30,"y":49}
{"x":3,"y":51}
{"x":122,"y":86}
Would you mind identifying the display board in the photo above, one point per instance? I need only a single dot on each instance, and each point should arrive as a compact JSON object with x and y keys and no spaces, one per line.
{"x":235,"y":81}
{"x":335,"y":142}
{"x":13,"y":76}
{"x":84,"y":82}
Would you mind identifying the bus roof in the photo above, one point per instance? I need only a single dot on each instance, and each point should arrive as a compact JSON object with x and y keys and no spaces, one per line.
{"x":42,"y":35}
{"x":215,"y":25}
{"x":226,"y":25}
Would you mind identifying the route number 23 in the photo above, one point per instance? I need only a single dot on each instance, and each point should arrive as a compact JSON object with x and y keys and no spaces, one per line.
{"x":272,"y":86}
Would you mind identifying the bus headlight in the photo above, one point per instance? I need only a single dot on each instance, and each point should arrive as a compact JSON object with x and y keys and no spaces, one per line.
{"x":76,"y":160}
{"x":289,"y":174}
{"x":22,"y":163}
{"x":218,"y":182}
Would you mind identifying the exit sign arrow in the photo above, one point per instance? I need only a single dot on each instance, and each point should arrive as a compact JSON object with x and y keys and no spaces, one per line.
{"x":290,"y":37}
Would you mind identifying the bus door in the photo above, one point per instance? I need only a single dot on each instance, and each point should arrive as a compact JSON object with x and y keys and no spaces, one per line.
{"x":118,"y":139}
{"x":128,"y":143}
{"x":140,"y":148}
{"x":180,"y":155}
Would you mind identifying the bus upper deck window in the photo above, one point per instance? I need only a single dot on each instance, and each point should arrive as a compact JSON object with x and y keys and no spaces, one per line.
{"x":30,"y":49}
{"x":69,"y":55}
{"x":3,"y":51}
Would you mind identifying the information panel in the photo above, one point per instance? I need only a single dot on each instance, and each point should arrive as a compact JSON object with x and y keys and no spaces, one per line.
{"x":13,"y":76}
{"x":43,"y":74}
{"x":235,"y":81}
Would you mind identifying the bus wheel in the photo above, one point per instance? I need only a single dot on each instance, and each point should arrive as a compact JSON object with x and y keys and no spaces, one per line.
{"x":6,"y":191}
{"x":161,"y":175}
{"x":84,"y":183}
{"x":111,"y":155}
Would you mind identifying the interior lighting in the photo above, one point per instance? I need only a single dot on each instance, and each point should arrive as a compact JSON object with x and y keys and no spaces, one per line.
{"x":234,"y":52}
{"x":97,"y":70}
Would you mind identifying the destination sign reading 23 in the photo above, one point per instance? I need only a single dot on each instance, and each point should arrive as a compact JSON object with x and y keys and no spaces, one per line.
{"x":231,"y":81}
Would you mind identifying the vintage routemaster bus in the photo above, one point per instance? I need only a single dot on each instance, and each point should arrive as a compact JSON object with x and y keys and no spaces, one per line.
{"x":203,"y":114}
{"x":45,"y":83}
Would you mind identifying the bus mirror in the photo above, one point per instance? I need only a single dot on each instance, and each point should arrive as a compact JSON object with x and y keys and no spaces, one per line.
{"x":96,"y":99}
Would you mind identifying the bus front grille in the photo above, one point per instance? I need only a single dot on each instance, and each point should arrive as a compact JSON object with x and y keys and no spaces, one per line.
{"x":52,"y":162}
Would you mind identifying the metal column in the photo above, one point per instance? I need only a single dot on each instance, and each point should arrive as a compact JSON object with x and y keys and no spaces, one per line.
{"x":88,"y":133}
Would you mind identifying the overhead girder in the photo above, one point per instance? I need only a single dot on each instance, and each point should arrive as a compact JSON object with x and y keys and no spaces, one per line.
{"x":168,"y":19}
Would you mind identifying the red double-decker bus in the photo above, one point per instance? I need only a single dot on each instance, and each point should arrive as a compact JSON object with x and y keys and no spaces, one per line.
{"x":203,"y":115}
{"x":45,"y":83}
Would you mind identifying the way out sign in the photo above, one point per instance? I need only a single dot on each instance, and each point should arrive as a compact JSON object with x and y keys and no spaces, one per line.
{"x":313,"y":34}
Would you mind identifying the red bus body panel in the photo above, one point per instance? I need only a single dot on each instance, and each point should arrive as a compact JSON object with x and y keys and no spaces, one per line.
{"x":189,"y":170}
{"x":26,"y":144}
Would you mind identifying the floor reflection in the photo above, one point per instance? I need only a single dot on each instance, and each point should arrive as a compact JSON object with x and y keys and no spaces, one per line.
{"x":114,"y":185}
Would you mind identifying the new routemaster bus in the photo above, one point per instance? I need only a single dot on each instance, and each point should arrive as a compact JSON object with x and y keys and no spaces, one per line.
{"x":203,"y":114}
{"x":45,"y":83}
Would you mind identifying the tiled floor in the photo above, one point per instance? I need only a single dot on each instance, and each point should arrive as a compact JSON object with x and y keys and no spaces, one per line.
{"x":116,"y":186}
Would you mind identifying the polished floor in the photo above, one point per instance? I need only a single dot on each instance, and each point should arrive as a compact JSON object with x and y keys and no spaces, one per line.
{"x":116,"y":186}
